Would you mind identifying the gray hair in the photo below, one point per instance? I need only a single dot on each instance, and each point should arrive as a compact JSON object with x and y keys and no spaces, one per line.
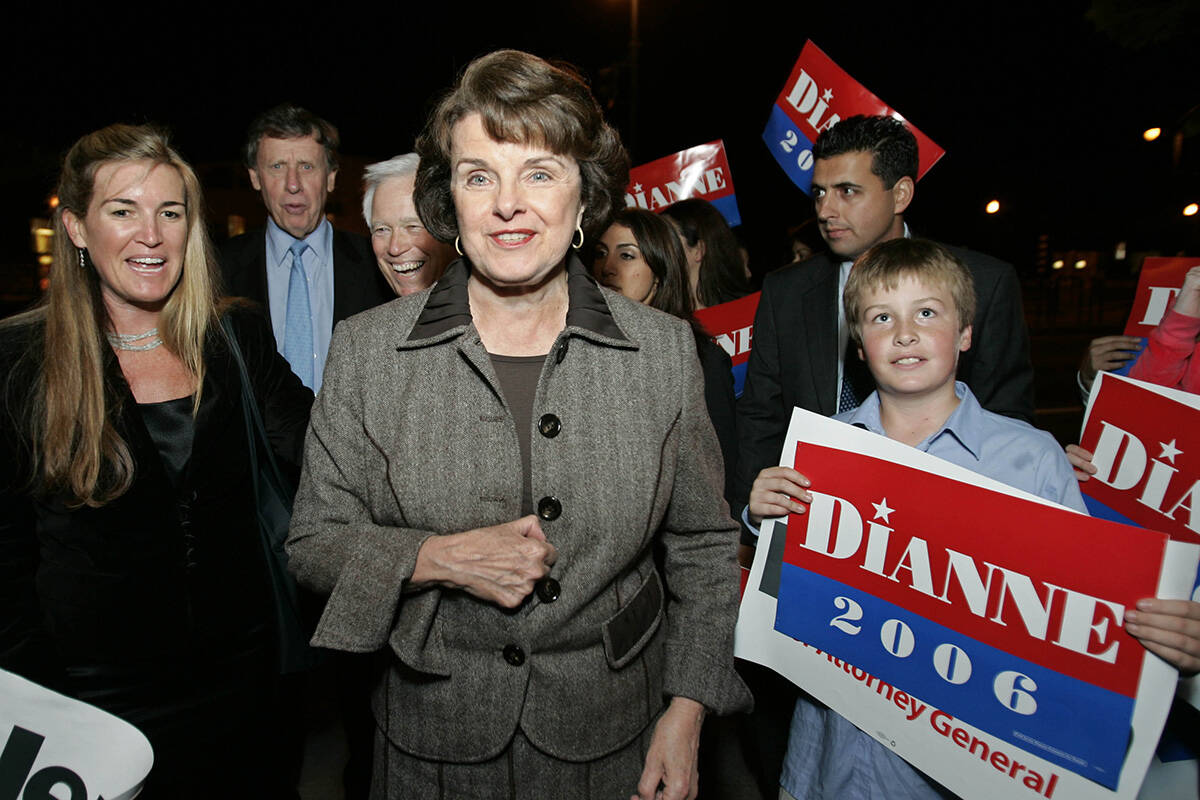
{"x":375,"y":174}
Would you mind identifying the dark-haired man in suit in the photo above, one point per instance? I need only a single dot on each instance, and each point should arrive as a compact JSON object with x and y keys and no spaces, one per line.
{"x":864,"y":177}
{"x":308,"y":275}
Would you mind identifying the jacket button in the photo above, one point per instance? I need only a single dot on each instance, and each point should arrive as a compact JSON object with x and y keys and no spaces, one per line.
{"x":514,"y":655}
{"x":548,"y":590}
{"x":549,"y":508}
{"x":549,"y":425}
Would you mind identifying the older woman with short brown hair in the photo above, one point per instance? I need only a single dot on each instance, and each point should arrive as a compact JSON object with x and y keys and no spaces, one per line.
{"x":512,"y":483}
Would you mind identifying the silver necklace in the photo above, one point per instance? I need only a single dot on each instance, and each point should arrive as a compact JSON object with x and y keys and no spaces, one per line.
{"x":125,"y":341}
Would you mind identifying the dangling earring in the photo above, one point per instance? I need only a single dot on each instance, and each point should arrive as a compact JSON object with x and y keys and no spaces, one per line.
{"x":458,"y":247}
{"x":83,"y":258}
{"x":650,"y":294}
{"x":578,"y":230}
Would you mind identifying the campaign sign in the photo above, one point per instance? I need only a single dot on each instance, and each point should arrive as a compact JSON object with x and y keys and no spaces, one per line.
{"x":1158,"y":284}
{"x":1146,"y":449}
{"x":1145,"y":444}
{"x":973,"y":629}
{"x":817,"y":95}
{"x":731,"y":326}
{"x":701,"y":171}
{"x":52,"y":745}
{"x":954,"y":590}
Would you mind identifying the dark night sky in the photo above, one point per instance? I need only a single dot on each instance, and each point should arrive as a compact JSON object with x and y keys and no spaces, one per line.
{"x":1032,"y":103}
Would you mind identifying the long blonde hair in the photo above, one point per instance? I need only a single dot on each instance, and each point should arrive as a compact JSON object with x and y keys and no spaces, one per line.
{"x":76,"y":447}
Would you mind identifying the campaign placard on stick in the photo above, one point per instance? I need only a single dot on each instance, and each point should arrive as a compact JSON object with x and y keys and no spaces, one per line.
{"x":731,"y":326}
{"x":50,"y":741}
{"x":701,"y":171}
{"x":974,"y":629}
{"x":816,"y":96}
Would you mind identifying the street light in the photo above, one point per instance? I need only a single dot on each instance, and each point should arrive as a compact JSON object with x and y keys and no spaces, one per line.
{"x":992,"y":207}
{"x":1190,"y":209}
{"x":1150,"y":134}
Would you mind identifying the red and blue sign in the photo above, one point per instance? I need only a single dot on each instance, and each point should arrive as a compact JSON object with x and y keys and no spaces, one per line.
{"x":731,"y":326}
{"x":1004,"y":613}
{"x":1146,"y":449}
{"x":1158,"y":284}
{"x":701,"y":171}
{"x":817,"y":95}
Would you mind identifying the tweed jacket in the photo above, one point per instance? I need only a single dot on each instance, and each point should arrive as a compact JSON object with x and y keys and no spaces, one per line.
{"x":794,"y":362}
{"x":411,"y":438}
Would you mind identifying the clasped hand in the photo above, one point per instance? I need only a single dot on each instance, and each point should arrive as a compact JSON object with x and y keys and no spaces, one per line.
{"x":499,"y":563}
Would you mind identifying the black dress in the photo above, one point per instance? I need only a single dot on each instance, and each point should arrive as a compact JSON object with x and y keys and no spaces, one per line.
{"x":155,"y":606}
{"x":719,"y":398}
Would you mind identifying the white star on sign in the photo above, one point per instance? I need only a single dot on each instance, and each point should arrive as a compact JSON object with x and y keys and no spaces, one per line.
{"x":882,"y":511}
{"x":637,"y":187}
{"x":1169,"y":451}
{"x":828,"y":96}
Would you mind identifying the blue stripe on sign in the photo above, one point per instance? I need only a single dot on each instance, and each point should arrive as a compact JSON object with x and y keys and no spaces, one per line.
{"x":1128,"y":365}
{"x":789,"y":147}
{"x":1079,"y":726}
{"x":739,"y":378}
{"x":1101,"y":511}
{"x":727,"y":205}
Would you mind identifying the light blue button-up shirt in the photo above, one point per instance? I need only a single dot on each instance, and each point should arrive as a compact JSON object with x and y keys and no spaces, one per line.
{"x":827,"y":756}
{"x":318,"y":269}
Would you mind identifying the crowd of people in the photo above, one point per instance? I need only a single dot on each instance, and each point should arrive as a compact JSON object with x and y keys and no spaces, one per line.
{"x":524,"y":482}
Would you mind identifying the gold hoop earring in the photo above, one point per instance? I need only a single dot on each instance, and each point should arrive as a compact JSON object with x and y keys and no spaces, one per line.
{"x":458,"y":247}
{"x":578,"y":230}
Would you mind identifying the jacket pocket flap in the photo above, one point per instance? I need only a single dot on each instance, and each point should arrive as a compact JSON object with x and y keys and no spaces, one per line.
{"x":627,"y":631}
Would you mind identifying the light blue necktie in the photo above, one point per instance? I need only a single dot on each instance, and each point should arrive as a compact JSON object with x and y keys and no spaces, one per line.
{"x":297,"y":330}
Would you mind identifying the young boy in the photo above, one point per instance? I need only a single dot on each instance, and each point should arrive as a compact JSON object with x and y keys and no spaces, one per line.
{"x":909,"y":304}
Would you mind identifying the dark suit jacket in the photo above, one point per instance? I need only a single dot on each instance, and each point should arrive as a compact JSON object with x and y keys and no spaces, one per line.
{"x":357,"y":284}
{"x":794,"y":361}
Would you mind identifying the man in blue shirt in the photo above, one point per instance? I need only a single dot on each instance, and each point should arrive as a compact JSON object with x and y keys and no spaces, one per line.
{"x":909,"y":304}
{"x":308,"y":275}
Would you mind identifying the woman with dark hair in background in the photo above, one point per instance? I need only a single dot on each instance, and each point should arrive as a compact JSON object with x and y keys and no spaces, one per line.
{"x":132,"y":573}
{"x":641,"y":257}
{"x":716,"y":269}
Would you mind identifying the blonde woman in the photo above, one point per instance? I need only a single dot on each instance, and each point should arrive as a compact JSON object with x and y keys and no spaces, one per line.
{"x":131,"y":570}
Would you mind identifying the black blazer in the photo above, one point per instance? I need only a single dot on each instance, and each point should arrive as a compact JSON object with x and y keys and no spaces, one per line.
{"x":794,"y":361}
{"x":162,"y":576}
{"x":357,"y":284}
{"x":721,"y":403}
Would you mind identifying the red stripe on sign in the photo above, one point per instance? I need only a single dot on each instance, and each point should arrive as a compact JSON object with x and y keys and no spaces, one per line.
{"x":1042,"y":583}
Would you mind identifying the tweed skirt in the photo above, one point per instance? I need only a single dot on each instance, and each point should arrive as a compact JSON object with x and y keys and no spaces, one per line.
{"x":521,"y":772}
